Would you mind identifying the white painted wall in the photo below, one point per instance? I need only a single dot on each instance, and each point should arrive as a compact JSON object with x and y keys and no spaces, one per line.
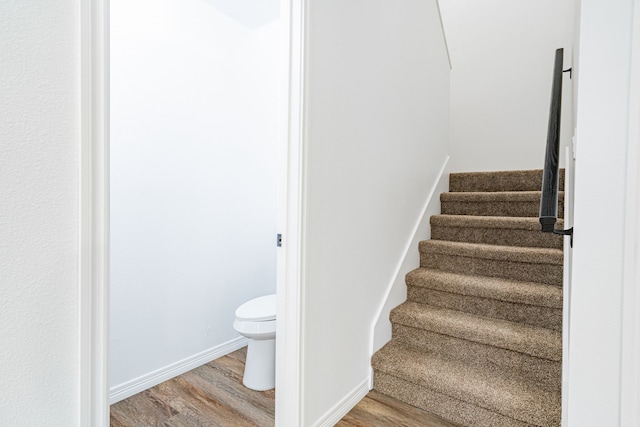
{"x":376,"y":136}
{"x":39,"y":141}
{"x":576,"y":58}
{"x":194,"y":113}
{"x":382,"y":330}
{"x":600,"y":205}
{"x":502,"y":56}
{"x":630,"y":360}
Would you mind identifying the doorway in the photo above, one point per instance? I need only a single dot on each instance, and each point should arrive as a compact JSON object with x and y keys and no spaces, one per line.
{"x":193,"y":148}
{"x":95,"y":284}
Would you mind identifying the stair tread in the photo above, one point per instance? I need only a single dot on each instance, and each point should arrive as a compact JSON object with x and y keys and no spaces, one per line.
{"x":475,"y":221}
{"x":543,"y":372}
{"x":497,"y":252}
{"x":449,"y":408}
{"x":500,"y":180}
{"x":477,"y":334}
{"x":526,"y":339}
{"x":487,"y":387}
{"x":493,"y":230}
{"x":494,"y":196}
{"x":514,"y":291}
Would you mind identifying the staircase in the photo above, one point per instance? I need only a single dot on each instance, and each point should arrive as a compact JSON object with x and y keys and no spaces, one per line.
{"x":479,"y":339}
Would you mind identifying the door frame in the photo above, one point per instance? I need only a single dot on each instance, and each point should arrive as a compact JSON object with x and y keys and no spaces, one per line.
{"x":93,"y":262}
{"x":630,"y":349}
{"x":93,"y":287}
{"x":291,"y":219}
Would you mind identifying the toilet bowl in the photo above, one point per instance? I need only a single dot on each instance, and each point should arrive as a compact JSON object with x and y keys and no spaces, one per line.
{"x":256,"y":320}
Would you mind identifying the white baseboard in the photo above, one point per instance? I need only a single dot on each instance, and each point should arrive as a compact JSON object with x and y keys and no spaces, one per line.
{"x":143,"y":382}
{"x":343,"y":407}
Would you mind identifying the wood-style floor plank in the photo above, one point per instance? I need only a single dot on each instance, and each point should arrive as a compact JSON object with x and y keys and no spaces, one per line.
{"x":377,"y":410}
{"x":254,"y":407}
{"x":213,"y":396}
{"x":142,"y":409}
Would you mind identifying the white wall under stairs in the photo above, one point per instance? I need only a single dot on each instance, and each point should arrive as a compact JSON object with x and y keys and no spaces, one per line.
{"x":377,"y":114}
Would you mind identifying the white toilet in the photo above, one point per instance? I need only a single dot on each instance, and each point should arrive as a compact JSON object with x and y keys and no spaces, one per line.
{"x":256,"y":320}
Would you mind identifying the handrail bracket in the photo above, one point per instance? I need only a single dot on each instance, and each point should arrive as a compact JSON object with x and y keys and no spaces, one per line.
{"x":567,"y":232}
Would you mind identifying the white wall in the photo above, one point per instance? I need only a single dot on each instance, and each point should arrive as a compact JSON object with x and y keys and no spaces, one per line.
{"x":377,"y":91}
{"x":39,"y":140}
{"x":502,"y":54}
{"x":599,"y":220}
{"x":382,"y":331}
{"x":194,"y":113}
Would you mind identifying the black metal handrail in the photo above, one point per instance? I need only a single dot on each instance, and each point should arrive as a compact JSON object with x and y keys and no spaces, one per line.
{"x":551,"y":172}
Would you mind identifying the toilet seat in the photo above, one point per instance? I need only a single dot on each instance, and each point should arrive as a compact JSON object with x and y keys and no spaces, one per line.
{"x":256,"y":330}
{"x":261,"y":309}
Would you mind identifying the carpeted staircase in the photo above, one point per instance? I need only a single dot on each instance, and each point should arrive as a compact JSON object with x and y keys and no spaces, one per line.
{"x":479,"y":339}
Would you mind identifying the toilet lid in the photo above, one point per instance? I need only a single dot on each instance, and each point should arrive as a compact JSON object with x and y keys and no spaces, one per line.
{"x":259,"y":309}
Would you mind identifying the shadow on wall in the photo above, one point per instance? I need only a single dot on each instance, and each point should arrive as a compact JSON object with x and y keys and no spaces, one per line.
{"x":250,"y":13}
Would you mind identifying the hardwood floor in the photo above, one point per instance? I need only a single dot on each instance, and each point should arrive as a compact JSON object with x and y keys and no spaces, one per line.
{"x":213,"y":395}
{"x":377,"y":410}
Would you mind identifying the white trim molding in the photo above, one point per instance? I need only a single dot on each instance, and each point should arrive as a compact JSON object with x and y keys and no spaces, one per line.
{"x":342,"y":408}
{"x":94,"y":213}
{"x":566,"y":281}
{"x":630,"y":369}
{"x":143,"y":382}
{"x":289,"y":373}
{"x":444,"y":34}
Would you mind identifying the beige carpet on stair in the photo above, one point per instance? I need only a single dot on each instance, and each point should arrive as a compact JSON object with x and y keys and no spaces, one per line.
{"x":478,"y":341}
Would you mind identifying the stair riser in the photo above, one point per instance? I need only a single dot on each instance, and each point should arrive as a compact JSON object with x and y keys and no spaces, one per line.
{"x":494,"y":236}
{"x":525,"y":293}
{"x":511,"y":209}
{"x":449,"y":408}
{"x":544,"y":317}
{"x":471,"y":348}
{"x":542,"y":273}
{"x":546,"y":374}
{"x":533,"y":341}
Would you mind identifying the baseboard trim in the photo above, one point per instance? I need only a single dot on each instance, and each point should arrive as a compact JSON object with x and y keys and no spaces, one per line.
{"x":143,"y":382}
{"x":342,"y":408}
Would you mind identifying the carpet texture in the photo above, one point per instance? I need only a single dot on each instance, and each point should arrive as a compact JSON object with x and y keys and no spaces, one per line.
{"x":478,"y":341}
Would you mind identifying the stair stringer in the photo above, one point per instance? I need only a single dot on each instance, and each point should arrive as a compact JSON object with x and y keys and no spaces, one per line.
{"x":396,"y":292}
